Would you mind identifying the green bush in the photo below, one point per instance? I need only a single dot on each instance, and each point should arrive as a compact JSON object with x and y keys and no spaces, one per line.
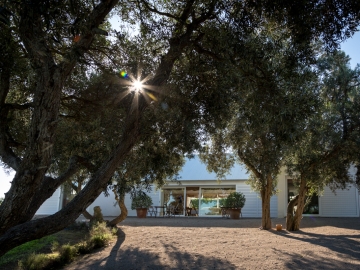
{"x":235,"y":200}
{"x":55,"y":246}
{"x":100,"y":235}
{"x":83,"y":247}
{"x":36,"y":262}
{"x":67,"y":253}
{"x":25,"y":249}
{"x":141,"y":200}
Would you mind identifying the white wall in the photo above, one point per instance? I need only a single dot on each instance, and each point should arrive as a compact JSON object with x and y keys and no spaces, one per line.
{"x":154,"y":194}
{"x":51,"y":205}
{"x":253,"y":206}
{"x":109,"y":206}
{"x":345,"y":203}
{"x":342,"y":203}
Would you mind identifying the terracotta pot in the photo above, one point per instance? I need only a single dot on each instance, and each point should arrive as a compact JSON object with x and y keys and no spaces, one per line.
{"x":278,"y":227}
{"x":141,"y":212}
{"x":234,"y":213}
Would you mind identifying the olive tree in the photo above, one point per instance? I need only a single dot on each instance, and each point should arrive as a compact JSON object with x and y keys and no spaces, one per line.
{"x":44,"y":44}
{"x":329,"y":141}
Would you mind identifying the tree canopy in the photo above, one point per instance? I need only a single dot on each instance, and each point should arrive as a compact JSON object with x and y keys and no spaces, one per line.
{"x":66,"y":107}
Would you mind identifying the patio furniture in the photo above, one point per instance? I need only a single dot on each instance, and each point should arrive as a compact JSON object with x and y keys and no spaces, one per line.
{"x":152,"y":211}
{"x":162,"y":210}
{"x":194,"y":212}
{"x":191,"y":211}
{"x":170,"y":211}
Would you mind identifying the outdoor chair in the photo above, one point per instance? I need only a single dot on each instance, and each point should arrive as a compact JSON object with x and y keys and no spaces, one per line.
{"x":152,"y":211}
{"x":193,"y":212}
{"x":170,"y":211}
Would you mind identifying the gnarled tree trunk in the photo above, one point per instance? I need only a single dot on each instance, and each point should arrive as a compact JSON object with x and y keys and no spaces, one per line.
{"x":123,"y":210}
{"x":293,"y":219}
{"x":16,"y":226}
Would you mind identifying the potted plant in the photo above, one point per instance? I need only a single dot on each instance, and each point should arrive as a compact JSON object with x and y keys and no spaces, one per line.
{"x":233,"y":203}
{"x":141,"y":202}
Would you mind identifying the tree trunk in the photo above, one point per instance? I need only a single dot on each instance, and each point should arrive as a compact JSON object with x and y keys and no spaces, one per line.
{"x":16,"y":226}
{"x":123,"y":210}
{"x":22,"y":201}
{"x":265,"y":203}
{"x":293,"y":220}
{"x":87,"y":215}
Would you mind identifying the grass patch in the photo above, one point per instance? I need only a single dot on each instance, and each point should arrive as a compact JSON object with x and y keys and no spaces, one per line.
{"x":26,"y":249}
{"x":58,"y":249}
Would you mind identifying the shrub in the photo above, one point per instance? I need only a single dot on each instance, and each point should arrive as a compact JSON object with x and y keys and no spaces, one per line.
{"x":36,"y":261}
{"x":100,"y":235}
{"x":83,"y":247}
{"x":141,"y":200}
{"x":235,"y":200}
{"x":55,"y":246}
{"x":67,"y":253}
{"x":25,"y":250}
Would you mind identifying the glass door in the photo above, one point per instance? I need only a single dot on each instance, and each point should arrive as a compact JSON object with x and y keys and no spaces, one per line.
{"x":211,"y":200}
{"x":192,"y":201}
{"x":174,"y":197}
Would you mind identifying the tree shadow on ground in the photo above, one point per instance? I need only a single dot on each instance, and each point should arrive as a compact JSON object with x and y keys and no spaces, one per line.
{"x":344,"y":245}
{"x":134,"y":258}
{"x":310,"y":260}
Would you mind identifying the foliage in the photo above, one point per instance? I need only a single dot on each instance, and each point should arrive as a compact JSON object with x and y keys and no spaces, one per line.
{"x":194,"y":203}
{"x":235,"y":200}
{"x":141,"y":200}
{"x":26,"y":249}
{"x":325,"y":152}
{"x":37,"y":261}
{"x":68,"y":115}
{"x":271,"y":102}
{"x":99,"y":236}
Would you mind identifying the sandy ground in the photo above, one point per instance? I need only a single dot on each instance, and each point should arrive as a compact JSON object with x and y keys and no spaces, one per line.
{"x":218,"y":243}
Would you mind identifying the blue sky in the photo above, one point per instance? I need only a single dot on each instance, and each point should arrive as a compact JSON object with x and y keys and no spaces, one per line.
{"x":350,"y":46}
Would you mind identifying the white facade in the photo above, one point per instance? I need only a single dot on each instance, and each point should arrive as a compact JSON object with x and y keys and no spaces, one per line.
{"x":345,"y":203}
{"x":342,"y":203}
{"x":51,"y":205}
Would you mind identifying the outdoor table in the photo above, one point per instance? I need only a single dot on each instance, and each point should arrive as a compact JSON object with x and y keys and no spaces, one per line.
{"x":160,"y":207}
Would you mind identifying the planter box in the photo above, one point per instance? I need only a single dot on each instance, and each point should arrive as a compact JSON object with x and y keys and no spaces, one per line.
{"x":141,"y":212}
{"x":234,"y":213}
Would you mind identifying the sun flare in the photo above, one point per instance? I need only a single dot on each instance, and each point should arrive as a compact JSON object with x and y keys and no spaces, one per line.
{"x":137,"y":85}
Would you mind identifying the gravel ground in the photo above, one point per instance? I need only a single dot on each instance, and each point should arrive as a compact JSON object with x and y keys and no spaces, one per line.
{"x":217,"y":243}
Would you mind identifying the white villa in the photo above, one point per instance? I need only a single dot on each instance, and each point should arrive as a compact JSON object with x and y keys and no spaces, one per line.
{"x":201,"y":189}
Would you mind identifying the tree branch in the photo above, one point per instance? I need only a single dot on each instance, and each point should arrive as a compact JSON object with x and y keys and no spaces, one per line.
{"x":155,"y":10}
{"x":249,"y":165}
{"x":96,"y":17}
